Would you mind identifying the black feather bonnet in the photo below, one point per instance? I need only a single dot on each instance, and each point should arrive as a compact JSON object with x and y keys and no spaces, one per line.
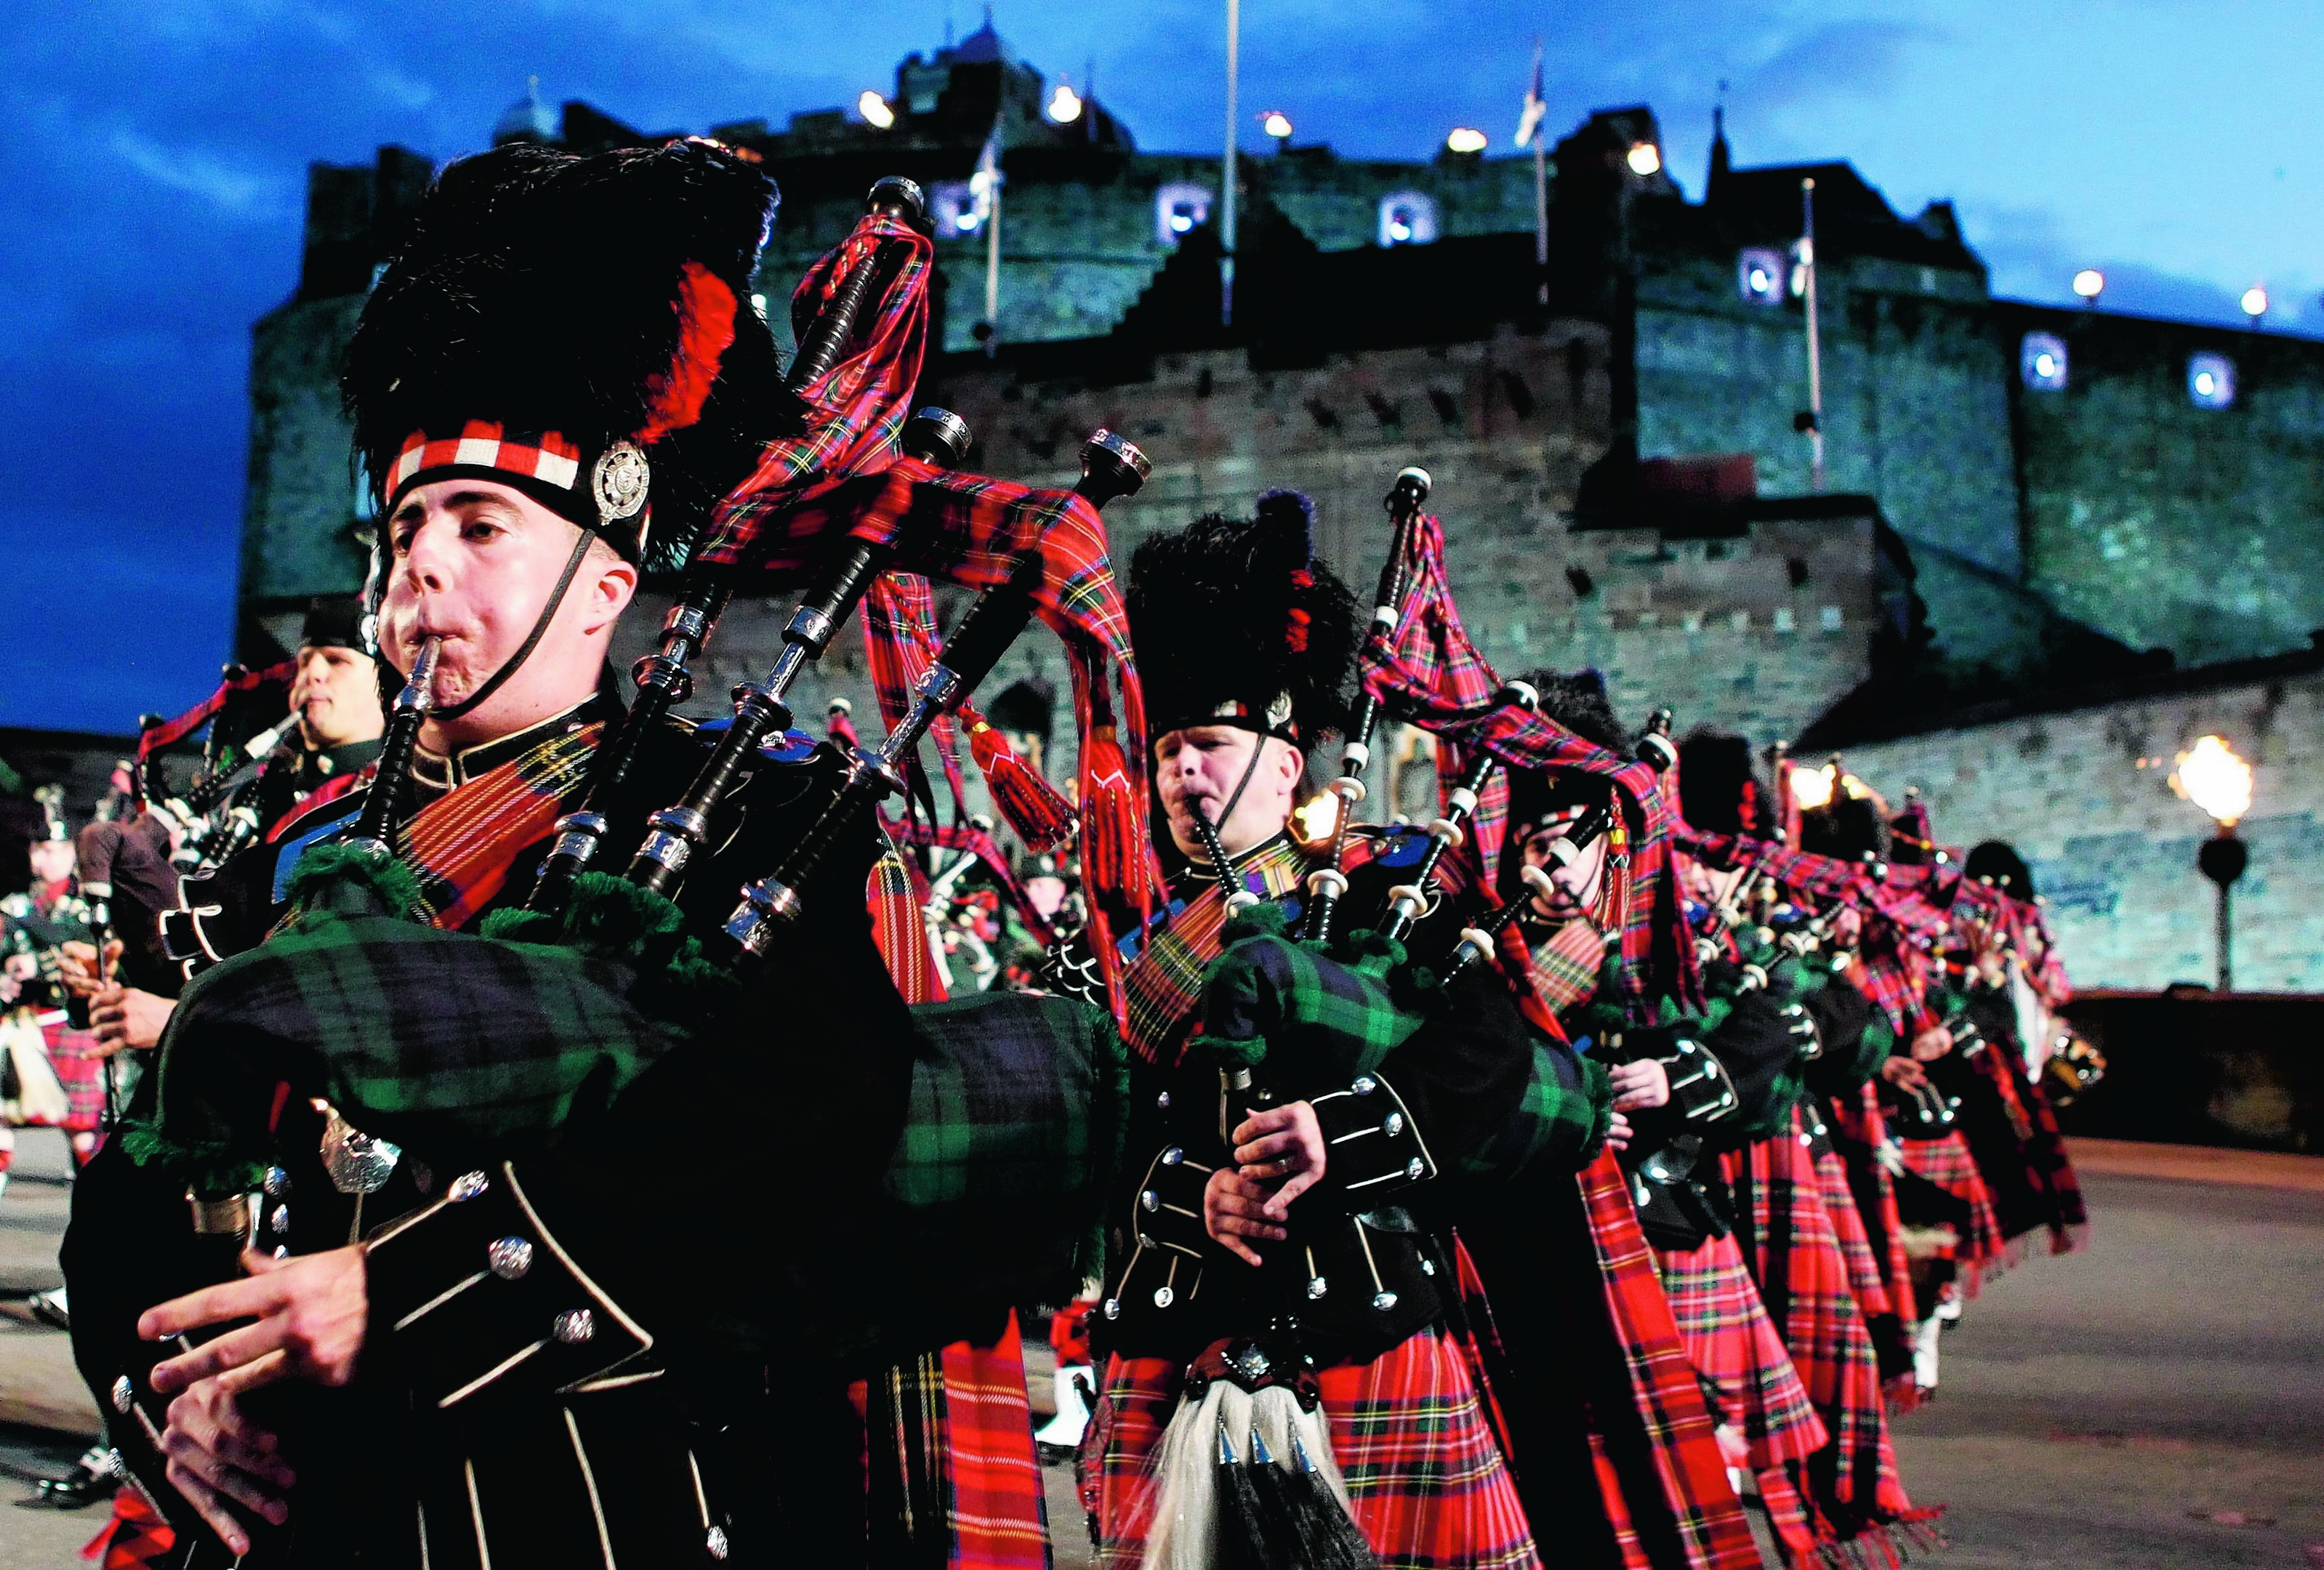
{"x":580,"y":329}
{"x":1237,"y":622}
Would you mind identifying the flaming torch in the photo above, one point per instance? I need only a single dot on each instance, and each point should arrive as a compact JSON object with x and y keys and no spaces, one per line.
{"x":2213,"y":778}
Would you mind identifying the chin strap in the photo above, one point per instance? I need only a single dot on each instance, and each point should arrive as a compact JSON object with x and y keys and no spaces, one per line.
{"x":533,"y":641}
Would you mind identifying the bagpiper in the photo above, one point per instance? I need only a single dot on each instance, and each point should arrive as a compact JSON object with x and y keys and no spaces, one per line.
{"x":1280,"y":1335}
{"x":552,"y":1305}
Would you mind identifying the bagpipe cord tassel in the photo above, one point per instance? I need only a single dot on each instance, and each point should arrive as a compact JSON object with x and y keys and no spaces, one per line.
{"x":1042,"y":819}
{"x":1245,"y":1482}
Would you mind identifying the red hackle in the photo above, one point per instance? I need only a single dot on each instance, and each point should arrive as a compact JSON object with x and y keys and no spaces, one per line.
{"x":705,"y":307}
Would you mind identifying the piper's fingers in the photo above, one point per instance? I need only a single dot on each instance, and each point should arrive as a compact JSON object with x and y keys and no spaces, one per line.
{"x":227,"y":1353}
{"x":1271,"y":1148}
{"x":1239,"y":1248}
{"x":222,"y":1431}
{"x":1617,"y":1132}
{"x":261,"y":1371}
{"x":1244,"y":1226}
{"x":209,"y":1506}
{"x":223,"y":1476}
{"x":1279,"y":1206}
{"x":1233,"y":1202}
{"x":1265,"y":1123}
{"x":211,"y":1305}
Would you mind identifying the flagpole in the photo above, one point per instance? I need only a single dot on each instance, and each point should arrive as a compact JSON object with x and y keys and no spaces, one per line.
{"x":992,"y":272}
{"x":1815,"y":357}
{"x":1540,"y":180}
{"x":1227,"y":193}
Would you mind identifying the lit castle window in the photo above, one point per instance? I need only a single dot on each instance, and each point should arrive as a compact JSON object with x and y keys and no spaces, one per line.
{"x":2210,"y":381}
{"x":1759,"y":276}
{"x":1178,"y":212}
{"x":1407,"y":219}
{"x":2042,"y":362}
{"x":952,"y":207}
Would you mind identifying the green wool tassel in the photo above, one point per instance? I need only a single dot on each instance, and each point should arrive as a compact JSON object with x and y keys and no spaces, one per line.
{"x":342,"y":879}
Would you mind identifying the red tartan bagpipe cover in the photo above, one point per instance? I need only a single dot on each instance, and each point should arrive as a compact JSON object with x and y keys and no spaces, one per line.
{"x":1428,"y":673}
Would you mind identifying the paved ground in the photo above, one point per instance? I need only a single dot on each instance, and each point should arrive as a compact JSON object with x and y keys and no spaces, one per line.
{"x":2155,"y":1402}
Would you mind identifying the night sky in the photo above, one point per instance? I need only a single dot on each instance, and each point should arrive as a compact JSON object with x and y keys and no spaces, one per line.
{"x":153,"y":157}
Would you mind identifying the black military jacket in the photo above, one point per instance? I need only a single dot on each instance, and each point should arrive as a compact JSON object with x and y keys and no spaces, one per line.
{"x":607,"y":1354}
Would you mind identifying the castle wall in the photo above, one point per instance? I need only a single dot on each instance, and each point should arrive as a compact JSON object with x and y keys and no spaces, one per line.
{"x":2199,"y":530}
{"x":298,"y":515}
{"x":2083,"y":796}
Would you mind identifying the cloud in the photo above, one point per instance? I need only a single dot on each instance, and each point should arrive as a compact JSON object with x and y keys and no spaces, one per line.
{"x":244,"y":192}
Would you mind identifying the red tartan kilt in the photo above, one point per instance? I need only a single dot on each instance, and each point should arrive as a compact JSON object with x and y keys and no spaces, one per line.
{"x":1948,"y":1164}
{"x":1427,"y":1483}
{"x":1864,"y":1276}
{"x":80,"y":1069}
{"x":1733,"y":1343}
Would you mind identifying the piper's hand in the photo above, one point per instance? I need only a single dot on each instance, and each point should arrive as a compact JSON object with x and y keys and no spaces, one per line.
{"x":1903,"y":1074}
{"x":1643,"y":1084}
{"x":77,"y":966}
{"x":1234,"y":1208}
{"x":1619,"y":1132}
{"x":128,"y":1017}
{"x":311,"y":1313}
{"x":1283,"y":1145}
{"x":1931,"y":1044}
{"x":216,"y":1454}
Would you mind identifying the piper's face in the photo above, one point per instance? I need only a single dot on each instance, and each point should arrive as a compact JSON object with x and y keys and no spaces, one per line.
{"x":1196,"y":770}
{"x":336,"y":696}
{"x":475,"y":563}
{"x":53,"y":860}
{"x":1576,"y":886}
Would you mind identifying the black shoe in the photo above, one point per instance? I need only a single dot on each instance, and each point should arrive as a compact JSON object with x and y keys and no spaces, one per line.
{"x":76,"y":1490}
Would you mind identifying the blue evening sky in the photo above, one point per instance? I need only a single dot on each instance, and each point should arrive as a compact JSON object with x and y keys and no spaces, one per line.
{"x":153,"y":157}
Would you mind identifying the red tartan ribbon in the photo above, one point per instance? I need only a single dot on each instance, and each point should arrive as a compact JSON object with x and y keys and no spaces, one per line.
{"x":973,"y":529}
{"x":171,"y":732}
{"x":1431,"y":674}
{"x":853,"y":413}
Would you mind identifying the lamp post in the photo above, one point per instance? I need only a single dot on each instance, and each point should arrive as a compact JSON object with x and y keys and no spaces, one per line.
{"x":2213,"y":778}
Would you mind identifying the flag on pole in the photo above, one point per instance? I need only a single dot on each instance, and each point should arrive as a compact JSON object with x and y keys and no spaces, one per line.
{"x":1535,"y":105}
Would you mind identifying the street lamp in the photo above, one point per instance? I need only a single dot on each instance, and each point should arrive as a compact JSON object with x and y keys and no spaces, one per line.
{"x":2213,"y":778}
{"x":1275,"y":124}
{"x":2090,"y":284}
{"x":2255,"y":301}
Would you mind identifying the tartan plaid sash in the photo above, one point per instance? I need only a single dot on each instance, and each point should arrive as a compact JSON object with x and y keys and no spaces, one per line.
{"x":462,"y":844}
{"x":1162,"y":974}
{"x":1565,"y":966}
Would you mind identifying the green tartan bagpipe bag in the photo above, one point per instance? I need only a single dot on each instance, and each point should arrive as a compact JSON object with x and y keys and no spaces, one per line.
{"x":464,"y":1050}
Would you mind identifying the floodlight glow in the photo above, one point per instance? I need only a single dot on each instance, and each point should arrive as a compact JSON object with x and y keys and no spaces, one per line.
{"x":1812,"y":788}
{"x":1645,"y":158}
{"x":2255,"y":301}
{"x":1275,"y":124}
{"x":2214,"y":778}
{"x":1065,"y":105}
{"x":1466,"y":139}
{"x":2090,"y":284}
{"x":875,"y":110}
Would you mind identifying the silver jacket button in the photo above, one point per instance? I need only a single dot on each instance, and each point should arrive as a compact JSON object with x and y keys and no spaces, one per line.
{"x":123,"y":1393}
{"x":1384,"y":1301}
{"x":1394,"y":1125}
{"x":716,"y":1542}
{"x":277,"y":1183}
{"x":574,"y":1326}
{"x":467,"y":1186}
{"x":1364,"y":1084}
{"x":510,"y":1257}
